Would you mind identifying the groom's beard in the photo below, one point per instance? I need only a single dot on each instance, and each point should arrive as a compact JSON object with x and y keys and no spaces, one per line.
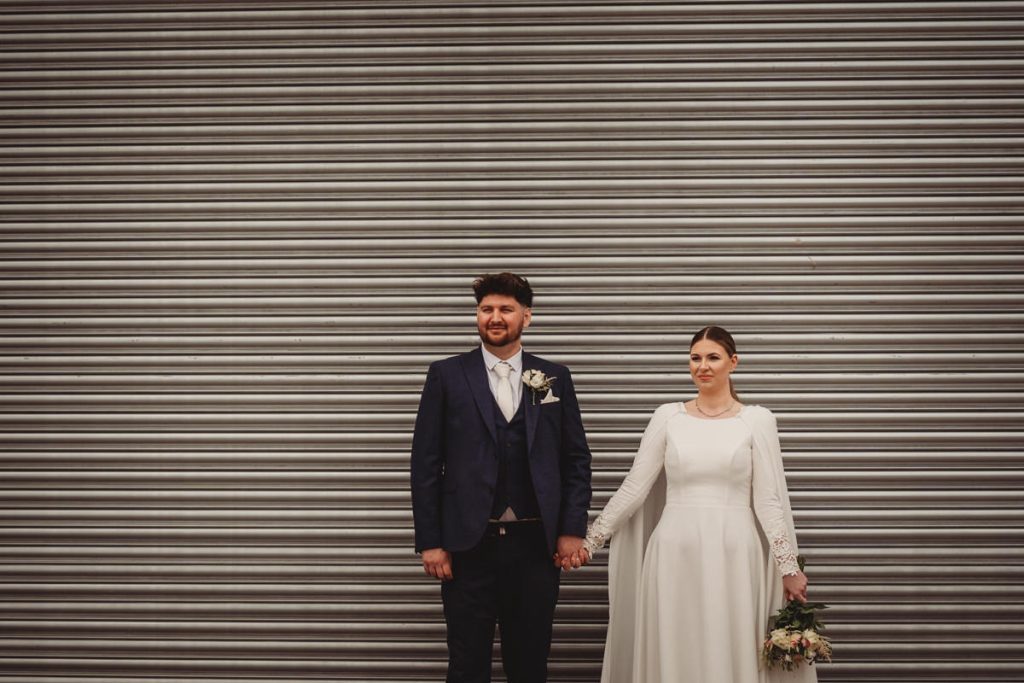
{"x":511,"y":335}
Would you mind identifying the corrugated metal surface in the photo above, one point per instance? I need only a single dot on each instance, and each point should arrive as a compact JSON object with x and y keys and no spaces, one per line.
{"x":235,"y":234}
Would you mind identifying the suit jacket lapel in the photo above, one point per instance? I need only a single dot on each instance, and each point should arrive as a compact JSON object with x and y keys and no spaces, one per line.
{"x":476,"y":374}
{"x":532,"y":406}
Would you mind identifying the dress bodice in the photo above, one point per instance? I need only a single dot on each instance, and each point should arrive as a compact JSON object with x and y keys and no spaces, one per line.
{"x":707,"y":462}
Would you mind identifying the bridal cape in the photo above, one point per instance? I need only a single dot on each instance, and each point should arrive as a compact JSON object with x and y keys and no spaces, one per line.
{"x":629,"y":544}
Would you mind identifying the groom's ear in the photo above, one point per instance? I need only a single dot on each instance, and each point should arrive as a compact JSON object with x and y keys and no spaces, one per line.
{"x":527,"y":317}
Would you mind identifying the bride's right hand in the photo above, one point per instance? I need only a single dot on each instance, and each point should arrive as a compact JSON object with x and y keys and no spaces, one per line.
{"x":575,"y":560}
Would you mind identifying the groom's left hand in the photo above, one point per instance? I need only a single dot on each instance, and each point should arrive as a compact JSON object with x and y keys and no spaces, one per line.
{"x":571,"y":554}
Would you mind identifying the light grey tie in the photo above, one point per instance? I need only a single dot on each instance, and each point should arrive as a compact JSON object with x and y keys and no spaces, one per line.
{"x":504,"y":394}
{"x":507,"y":405}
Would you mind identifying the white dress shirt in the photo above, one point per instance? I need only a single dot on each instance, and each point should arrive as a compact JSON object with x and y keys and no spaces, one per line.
{"x":516,"y":376}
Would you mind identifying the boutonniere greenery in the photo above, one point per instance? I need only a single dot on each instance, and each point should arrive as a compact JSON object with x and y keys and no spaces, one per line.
{"x":537,"y":382}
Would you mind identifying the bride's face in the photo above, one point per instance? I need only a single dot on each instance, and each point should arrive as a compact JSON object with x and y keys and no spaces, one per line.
{"x":711,"y":365}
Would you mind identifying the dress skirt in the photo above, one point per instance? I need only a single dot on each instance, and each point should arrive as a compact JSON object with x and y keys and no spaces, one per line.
{"x":701,"y":590}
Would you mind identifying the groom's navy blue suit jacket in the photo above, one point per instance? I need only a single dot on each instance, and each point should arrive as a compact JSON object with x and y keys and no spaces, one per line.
{"x":455,"y":454}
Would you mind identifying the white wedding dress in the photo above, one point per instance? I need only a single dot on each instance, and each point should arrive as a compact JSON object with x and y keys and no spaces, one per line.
{"x":701,"y":535}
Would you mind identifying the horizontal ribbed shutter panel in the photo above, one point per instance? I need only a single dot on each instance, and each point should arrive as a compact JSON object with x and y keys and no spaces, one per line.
{"x":235,"y":235}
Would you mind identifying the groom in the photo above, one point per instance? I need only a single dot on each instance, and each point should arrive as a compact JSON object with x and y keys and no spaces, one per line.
{"x":500,"y":486}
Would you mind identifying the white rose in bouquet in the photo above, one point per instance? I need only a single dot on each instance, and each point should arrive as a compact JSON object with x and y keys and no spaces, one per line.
{"x":780,"y":638}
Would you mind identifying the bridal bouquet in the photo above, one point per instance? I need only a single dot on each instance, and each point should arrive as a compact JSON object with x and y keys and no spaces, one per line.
{"x":794,"y":636}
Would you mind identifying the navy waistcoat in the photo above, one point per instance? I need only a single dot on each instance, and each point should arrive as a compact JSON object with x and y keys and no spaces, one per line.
{"x":514,"y":487}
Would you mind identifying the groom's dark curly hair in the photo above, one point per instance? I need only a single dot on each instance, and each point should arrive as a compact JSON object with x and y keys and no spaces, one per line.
{"x":508,"y":284}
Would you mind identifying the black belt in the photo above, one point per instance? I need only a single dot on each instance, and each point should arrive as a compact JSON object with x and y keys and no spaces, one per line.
{"x":519,"y":526}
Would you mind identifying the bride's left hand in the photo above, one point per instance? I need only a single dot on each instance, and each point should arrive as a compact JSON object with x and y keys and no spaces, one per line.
{"x":795,"y":586}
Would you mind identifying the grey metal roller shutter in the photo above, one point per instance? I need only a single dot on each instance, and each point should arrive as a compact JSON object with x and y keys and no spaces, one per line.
{"x":235,"y":234}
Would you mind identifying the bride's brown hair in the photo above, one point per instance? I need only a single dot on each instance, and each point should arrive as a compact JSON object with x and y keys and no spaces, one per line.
{"x":720,"y":336}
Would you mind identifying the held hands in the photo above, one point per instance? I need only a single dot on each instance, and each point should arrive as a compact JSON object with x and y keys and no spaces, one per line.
{"x":437,"y":562}
{"x":570,"y":553}
{"x":795,"y":587}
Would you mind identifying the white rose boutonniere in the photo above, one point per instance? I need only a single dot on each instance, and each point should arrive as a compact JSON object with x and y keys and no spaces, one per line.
{"x":538,"y":382}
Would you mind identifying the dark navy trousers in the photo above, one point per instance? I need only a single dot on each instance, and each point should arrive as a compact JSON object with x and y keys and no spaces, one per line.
{"x":508,"y":579}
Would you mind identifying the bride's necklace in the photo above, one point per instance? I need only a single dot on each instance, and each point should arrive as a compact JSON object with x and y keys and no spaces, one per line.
{"x":696,"y":403}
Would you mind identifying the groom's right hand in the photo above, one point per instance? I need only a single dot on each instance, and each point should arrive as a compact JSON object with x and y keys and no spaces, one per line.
{"x":437,"y":562}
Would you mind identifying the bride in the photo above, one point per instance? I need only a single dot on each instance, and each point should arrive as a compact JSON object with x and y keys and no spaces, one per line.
{"x":703,"y":547}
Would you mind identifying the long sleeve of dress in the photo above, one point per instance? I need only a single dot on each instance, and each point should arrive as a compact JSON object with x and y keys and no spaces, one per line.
{"x":647,"y":465}
{"x":768,"y":504}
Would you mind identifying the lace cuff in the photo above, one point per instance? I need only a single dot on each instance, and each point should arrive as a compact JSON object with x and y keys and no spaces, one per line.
{"x":597,"y":534}
{"x":783,"y":552}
